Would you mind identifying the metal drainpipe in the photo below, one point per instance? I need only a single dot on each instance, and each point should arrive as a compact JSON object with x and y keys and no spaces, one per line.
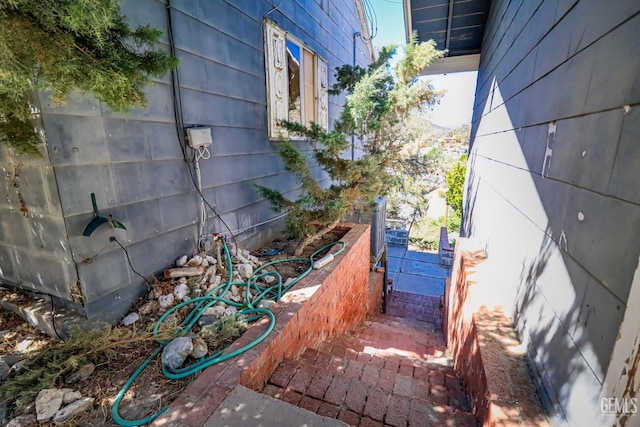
{"x":353,"y":136}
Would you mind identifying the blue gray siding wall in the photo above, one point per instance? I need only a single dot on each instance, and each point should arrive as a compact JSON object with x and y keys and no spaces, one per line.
{"x":552,"y":184}
{"x":134,"y":163}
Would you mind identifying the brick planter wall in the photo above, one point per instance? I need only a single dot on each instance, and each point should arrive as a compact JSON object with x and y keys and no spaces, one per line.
{"x":328,"y":302}
{"x":485,"y":347}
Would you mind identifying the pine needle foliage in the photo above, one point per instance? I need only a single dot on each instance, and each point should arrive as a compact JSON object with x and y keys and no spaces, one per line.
{"x":49,"y":367}
{"x":378,"y":99}
{"x":63,"y":45}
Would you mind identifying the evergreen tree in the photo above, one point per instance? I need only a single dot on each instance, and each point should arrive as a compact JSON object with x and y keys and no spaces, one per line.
{"x":62,"y":45}
{"x":378,"y":99}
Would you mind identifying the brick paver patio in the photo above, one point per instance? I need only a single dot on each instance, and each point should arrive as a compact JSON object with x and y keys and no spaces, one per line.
{"x":392,"y":371}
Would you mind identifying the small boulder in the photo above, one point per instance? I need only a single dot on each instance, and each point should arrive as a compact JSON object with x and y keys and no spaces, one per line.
{"x":73,"y":409}
{"x":245,"y":270}
{"x":204,"y":263}
{"x":81,"y":374}
{"x":211,"y":260}
{"x":200,"y":348}
{"x":71,"y":396}
{"x":148,"y":308}
{"x":130,"y":319}
{"x":195,"y":261}
{"x":175,"y":353}
{"x":180,"y":291}
{"x":48,"y":402}
{"x":166,"y":301}
{"x":180,"y":262}
{"x":26,"y":420}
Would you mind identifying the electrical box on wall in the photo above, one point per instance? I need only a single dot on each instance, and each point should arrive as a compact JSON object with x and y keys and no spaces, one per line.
{"x":199,"y":137}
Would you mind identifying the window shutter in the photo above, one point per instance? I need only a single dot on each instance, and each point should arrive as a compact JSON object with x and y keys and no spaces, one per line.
{"x":276,"y":69}
{"x":322,"y":94}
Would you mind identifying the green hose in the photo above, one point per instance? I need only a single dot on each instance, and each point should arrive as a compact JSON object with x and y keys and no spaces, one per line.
{"x":212,"y":297}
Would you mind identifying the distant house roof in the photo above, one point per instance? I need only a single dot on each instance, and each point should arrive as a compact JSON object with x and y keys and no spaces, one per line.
{"x":456,"y":26}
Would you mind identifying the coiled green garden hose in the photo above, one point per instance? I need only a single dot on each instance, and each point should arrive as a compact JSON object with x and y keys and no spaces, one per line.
{"x":249,"y":308}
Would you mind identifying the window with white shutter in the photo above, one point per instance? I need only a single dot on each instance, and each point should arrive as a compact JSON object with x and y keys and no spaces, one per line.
{"x":297,"y":82}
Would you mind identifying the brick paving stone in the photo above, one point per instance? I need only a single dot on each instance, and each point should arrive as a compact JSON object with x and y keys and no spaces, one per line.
{"x":397,"y":411}
{"x":354,"y":369}
{"x":328,"y":410}
{"x":338,"y":350}
{"x":403,"y":386}
{"x":283,"y":373}
{"x":309,"y":403}
{"x":376,"y":405}
{"x":309,"y":356}
{"x":387,"y":380}
{"x":319,"y":384}
{"x":356,"y":396}
{"x":292,"y":397}
{"x":377,"y":361}
{"x":272,"y":390}
{"x":351,"y":354}
{"x":337,"y":365}
{"x":458,"y":399}
{"x":337,"y":390}
{"x":453,"y":383}
{"x":438,"y":395}
{"x":349,"y":417}
{"x":391,"y":365}
{"x":368,"y":422}
{"x":406,"y":370}
{"x":323,"y":359}
{"x":363,"y":357}
{"x":370,"y":374}
{"x":419,"y":389}
{"x":436,"y":378}
{"x":302,"y":378}
{"x":419,"y":414}
{"x":421,"y":373}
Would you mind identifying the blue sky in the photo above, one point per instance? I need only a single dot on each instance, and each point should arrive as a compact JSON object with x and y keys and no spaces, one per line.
{"x":456,"y":106}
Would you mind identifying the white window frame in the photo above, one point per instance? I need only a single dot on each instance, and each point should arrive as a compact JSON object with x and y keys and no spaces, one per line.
{"x":278,"y":86}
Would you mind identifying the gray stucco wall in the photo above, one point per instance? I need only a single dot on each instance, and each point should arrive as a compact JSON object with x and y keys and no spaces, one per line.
{"x":552,"y":183}
{"x":135,"y":165}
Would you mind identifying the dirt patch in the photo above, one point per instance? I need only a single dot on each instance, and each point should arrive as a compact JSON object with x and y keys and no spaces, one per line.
{"x":117,"y":355}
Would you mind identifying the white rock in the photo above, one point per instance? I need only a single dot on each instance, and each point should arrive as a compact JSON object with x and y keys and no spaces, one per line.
{"x":26,"y":420}
{"x":24,"y":345}
{"x":195,"y":261}
{"x":253,"y":259}
{"x":71,"y":396}
{"x":180,"y":291}
{"x":183,"y":280}
{"x":230,"y":311}
{"x":236,"y":298}
{"x":245,"y":270}
{"x":220,"y":304}
{"x":166,"y":301}
{"x":200,"y":348}
{"x":130,"y":319}
{"x":215,"y":280}
{"x":216,"y":310}
{"x":175,"y":353}
{"x":288,"y":281}
{"x":266,"y":303}
{"x":204,"y":263}
{"x":211,"y":260}
{"x":234,"y":290}
{"x":48,"y":402}
{"x":74,"y":408}
{"x":180,"y":262}
{"x":269,"y":279}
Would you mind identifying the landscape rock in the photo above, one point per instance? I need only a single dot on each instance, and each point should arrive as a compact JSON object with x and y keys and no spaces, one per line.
{"x":200,"y":348}
{"x":183,"y":280}
{"x":266,"y":303}
{"x":48,"y":402}
{"x":207,"y":319}
{"x":24,"y":344}
{"x":245,"y":270}
{"x":26,"y":420}
{"x":195,"y":261}
{"x":211,"y":260}
{"x":269,"y":279}
{"x":216,"y":311}
{"x":181,"y":291}
{"x":175,"y":353}
{"x":130,"y":319}
{"x":234,"y":290}
{"x":81,"y":374}
{"x":71,"y":396}
{"x":230,"y":311}
{"x":204,"y":263}
{"x":215,"y":280}
{"x":73,"y":409}
{"x":180,"y":262}
{"x":236,"y":298}
{"x":165,"y":301}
